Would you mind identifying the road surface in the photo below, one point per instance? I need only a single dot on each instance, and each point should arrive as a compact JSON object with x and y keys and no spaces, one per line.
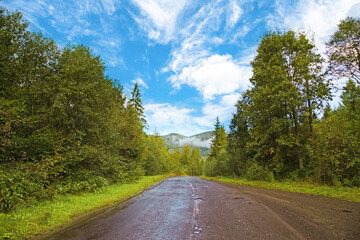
{"x":193,"y":208}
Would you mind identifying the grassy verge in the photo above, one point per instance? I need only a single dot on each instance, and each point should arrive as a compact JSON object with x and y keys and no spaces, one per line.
{"x":44,"y":216}
{"x":346,"y":193}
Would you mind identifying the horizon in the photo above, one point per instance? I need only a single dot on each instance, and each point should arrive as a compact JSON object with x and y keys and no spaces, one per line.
{"x":191,"y":60}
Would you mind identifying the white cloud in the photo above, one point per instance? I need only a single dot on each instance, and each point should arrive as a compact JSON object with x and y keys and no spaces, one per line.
{"x":214,"y":75}
{"x":109,"y":43}
{"x":140,"y":82}
{"x":67,"y":17}
{"x":165,"y":118}
{"x":51,"y":9}
{"x":193,"y":62}
{"x":230,"y":100}
{"x":242,"y":32}
{"x":235,"y":15}
{"x":159,"y":18}
{"x":31,"y":10}
{"x":354,"y":10}
{"x":109,"y":6}
{"x":223,"y":110}
{"x":320,"y":17}
{"x":114,"y":61}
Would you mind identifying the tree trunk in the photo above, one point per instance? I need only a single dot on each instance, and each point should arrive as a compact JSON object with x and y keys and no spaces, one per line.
{"x":296,"y":133}
{"x":310,"y":118}
{"x":308,"y":96}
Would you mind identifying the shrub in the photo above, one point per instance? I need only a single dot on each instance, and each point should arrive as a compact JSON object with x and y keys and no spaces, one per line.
{"x":258,"y":172}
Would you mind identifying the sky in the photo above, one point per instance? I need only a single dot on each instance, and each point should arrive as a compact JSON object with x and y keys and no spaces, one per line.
{"x":191,"y":58}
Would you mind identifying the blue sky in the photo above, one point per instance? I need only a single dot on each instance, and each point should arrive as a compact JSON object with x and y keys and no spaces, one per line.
{"x":190,"y":57}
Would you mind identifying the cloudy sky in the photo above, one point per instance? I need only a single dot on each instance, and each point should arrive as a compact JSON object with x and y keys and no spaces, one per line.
{"x":190,"y":57}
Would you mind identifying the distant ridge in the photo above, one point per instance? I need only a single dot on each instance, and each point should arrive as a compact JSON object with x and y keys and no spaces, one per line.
{"x":200,"y":140}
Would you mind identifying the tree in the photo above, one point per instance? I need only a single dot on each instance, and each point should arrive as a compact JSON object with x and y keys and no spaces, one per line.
{"x":216,"y":162}
{"x":343,"y":50}
{"x":238,"y":138}
{"x":335,"y":146}
{"x":196,"y":162}
{"x":219,"y":140}
{"x":287,"y":89}
{"x":64,"y":126}
{"x":155,"y":156}
{"x":136,"y":103}
{"x":185,"y":159}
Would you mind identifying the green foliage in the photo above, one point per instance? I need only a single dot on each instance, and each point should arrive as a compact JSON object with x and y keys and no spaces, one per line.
{"x":217,"y":161}
{"x":287,"y":89}
{"x":135,"y":104}
{"x":219,"y":140}
{"x":191,"y":160}
{"x":336,"y":144}
{"x":156,"y":158}
{"x":217,"y":165}
{"x":258,"y":172}
{"x":64,"y":126}
{"x":346,"y":193}
{"x":175,"y":164}
{"x":275,"y":130}
{"x":26,"y":222}
{"x":238,"y":138}
{"x":196,"y":164}
{"x":343,"y":50}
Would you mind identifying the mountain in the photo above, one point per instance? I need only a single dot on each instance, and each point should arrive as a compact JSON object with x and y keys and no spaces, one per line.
{"x":201,"y":140}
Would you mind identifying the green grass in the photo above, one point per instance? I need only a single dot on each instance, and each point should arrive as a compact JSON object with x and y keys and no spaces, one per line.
{"x":347,"y":193}
{"x":27,"y":222}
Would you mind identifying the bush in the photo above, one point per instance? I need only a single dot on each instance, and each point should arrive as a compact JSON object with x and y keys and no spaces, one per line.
{"x":24,"y":183}
{"x":257,"y":172}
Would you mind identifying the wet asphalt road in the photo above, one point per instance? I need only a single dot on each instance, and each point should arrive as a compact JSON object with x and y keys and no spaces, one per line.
{"x":193,"y":208}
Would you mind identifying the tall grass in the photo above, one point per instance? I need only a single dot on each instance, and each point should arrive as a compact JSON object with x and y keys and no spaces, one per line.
{"x":44,"y":216}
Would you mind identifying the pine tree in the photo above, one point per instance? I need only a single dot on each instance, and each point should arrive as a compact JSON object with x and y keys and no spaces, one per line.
{"x":219,"y":140}
{"x":136,"y":103}
{"x":237,"y":139}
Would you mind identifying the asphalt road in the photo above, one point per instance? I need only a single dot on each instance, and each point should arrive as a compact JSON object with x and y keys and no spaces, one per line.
{"x":193,"y":208}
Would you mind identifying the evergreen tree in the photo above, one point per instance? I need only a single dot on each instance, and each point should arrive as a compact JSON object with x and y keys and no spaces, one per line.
{"x":237,"y":139}
{"x":136,"y":103}
{"x":216,"y":162}
{"x":219,"y":140}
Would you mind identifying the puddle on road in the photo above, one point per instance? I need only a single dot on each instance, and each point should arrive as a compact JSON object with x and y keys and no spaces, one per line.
{"x":197,"y":229}
{"x":196,"y":197}
{"x":345,"y":210}
{"x":238,"y":198}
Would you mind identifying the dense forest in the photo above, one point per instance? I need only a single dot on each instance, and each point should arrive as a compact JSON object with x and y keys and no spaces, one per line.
{"x":65,"y":127}
{"x":283,"y":127}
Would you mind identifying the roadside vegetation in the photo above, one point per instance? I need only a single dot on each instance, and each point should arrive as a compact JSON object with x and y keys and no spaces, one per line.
{"x":284,"y":127}
{"x":72,"y":141}
{"x":346,"y":193}
{"x":66,"y":127}
{"x":43,"y":216}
